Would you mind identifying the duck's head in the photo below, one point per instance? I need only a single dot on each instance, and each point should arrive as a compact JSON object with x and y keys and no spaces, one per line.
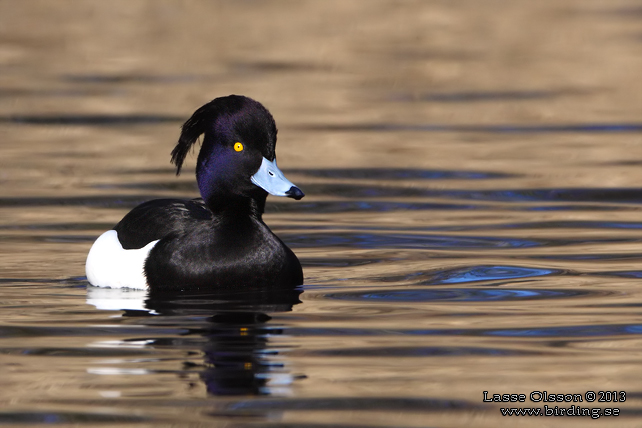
{"x":237,"y":160}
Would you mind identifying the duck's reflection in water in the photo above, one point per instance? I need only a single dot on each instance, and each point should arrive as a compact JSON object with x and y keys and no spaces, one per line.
{"x":230,"y":328}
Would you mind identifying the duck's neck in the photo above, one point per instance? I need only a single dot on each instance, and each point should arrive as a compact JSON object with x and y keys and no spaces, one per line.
{"x":234,"y":207}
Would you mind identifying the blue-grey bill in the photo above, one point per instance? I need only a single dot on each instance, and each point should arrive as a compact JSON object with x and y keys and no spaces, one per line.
{"x":270,"y":178}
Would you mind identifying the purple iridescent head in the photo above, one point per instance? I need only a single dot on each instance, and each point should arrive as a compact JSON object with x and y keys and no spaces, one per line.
{"x":237,"y":157}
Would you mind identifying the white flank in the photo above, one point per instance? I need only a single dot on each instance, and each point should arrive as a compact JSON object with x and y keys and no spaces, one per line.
{"x":109,"y":265}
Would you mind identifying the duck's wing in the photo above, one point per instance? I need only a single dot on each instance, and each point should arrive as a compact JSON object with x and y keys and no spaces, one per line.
{"x":157,"y":218}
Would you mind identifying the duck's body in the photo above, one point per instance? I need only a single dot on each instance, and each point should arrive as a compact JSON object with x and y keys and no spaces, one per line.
{"x":219,"y":241}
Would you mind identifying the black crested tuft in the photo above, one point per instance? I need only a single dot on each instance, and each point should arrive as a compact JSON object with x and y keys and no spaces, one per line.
{"x":192,"y":129}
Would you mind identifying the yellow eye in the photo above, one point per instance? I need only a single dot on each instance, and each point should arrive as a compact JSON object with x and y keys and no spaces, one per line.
{"x":238,"y":147}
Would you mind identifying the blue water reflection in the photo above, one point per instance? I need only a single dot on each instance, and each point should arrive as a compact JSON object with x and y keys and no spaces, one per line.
{"x":455,"y":295}
{"x":622,"y":274}
{"x":407,"y":241}
{"x":571,"y":331}
{"x":468,"y":274}
{"x":484,"y":273}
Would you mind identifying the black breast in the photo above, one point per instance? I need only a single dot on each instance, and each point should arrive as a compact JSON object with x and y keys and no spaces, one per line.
{"x":238,"y":253}
{"x":198,"y":251}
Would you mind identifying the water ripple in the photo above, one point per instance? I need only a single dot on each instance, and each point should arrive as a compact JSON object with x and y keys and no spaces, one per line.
{"x":485,"y":273}
{"x":571,"y":331}
{"x":76,"y":352}
{"x":621,"y":274}
{"x":477,"y":96}
{"x":7,"y":331}
{"x":133,"y":78}
{"x":456,"y":295}
{"x":90,"y":119}
{"x":407,"y":241}
{"x":579,"y":331}
{"x":396,"y":174}
{"x":418,"y":351}
{"x":329,"y":207}
{"x":614,"y":127}
{"x":409,"y":404}
{"x":352,"y":204}
{"x":64,"y":418}
{"x":468,"y":274}
{"x":563,"y":224}
{"x":607,"y":195}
